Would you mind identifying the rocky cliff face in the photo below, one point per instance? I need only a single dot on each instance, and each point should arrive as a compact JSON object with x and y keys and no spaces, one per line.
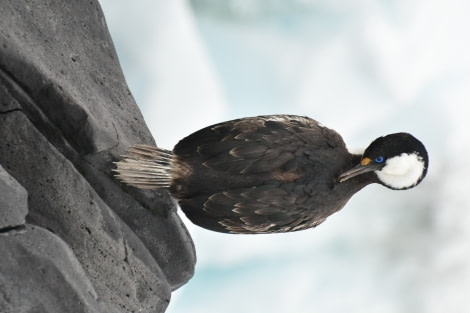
{"x":72,"y":238}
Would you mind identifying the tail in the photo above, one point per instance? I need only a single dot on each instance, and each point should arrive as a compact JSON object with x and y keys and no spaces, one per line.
{"x":146,"y":167}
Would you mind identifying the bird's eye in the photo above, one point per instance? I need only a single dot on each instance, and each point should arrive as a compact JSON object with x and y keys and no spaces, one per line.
{"x":379,"y":159}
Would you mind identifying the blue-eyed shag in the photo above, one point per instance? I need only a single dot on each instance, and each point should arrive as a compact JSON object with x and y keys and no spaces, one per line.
{"x":270,"y":174}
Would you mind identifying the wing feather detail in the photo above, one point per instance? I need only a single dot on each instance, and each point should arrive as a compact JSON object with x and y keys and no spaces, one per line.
{"x":248,"y":175}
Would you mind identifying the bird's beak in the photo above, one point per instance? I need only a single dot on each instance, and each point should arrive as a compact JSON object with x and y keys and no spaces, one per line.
{"x":365,"y":166}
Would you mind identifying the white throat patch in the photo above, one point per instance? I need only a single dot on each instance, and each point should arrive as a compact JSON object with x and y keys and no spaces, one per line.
{"x":403,"y":171}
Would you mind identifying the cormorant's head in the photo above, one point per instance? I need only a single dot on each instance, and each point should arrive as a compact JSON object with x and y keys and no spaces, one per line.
{"x":399,"y":160}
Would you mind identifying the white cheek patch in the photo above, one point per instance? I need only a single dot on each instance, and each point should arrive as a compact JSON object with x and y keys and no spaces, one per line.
{"x":403,"y":171}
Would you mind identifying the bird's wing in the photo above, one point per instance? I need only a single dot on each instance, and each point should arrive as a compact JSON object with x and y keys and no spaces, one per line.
{"x":255,"y":210}
{"x":255,"y":145}
{"x":247,"y":175}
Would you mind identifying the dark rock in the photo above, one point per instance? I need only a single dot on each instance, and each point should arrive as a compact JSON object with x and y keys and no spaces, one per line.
{"x":61,"y":54}
{"x":124,"y":274}
{"x":65,"y":115}
{"x":13,"y":201}
{"x":159,"y":228}
{"x":39,"y":273}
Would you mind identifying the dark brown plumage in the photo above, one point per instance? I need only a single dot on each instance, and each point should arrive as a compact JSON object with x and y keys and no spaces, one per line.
{"x":261,"y":174}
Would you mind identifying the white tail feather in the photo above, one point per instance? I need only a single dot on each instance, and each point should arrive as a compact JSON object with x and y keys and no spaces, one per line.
{"x":146,"y":167}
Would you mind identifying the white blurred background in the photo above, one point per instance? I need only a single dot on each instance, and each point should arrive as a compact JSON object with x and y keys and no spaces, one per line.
{"x":364,"y":68}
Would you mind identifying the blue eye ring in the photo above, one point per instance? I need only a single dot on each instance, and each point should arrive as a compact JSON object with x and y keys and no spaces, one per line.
{"x":379,"y":159}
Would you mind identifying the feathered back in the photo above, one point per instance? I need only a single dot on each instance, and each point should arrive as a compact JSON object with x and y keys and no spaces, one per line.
{"x":258,"y":175}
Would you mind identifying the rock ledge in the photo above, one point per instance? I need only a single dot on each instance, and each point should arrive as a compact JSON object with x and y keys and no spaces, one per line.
{"x":73,"y":239}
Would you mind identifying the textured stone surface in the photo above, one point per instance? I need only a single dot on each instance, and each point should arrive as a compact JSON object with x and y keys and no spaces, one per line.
{"x":52,"y":280}
{"x":13,"y":201}
{"x":122,"y":270}
{"x":65,"y":115}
